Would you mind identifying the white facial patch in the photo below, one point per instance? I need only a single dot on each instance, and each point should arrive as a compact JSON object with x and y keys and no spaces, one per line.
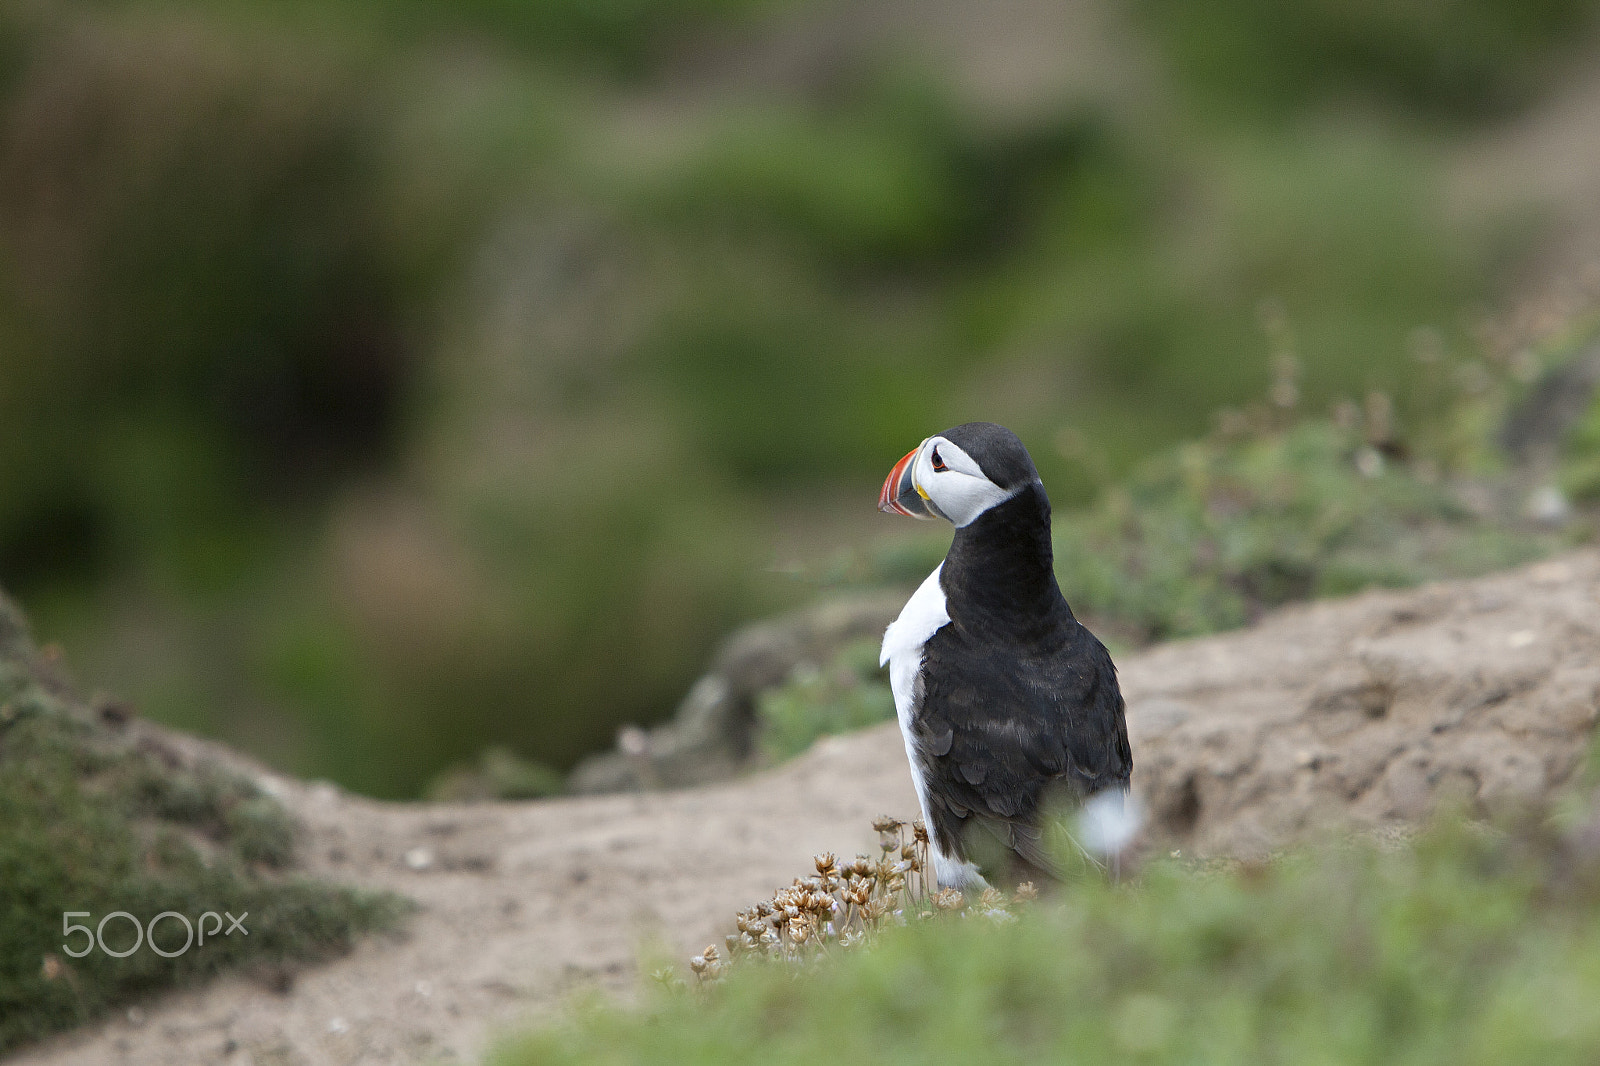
{"x":960,"y":491}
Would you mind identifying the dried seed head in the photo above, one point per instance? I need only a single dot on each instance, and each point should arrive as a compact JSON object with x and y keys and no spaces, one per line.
{"x":712,"y":954}
{"x":948,"y":899}
{"x":698,"y":964}
{"x":826,"y":862}
{"x":896,"y":883}
{"x":919,"y":831}
{"x":800,"y":930}
{"x":886,"y":824}
{"x":992,"y":898}
{"x":908,"y":852}
{"x":1026,"y":892}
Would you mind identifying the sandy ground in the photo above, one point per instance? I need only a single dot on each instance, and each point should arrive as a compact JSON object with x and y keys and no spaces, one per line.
{"x":1362,"y":712}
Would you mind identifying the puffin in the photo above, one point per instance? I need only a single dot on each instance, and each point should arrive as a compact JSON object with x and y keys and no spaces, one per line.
{"x":1008,"y":705}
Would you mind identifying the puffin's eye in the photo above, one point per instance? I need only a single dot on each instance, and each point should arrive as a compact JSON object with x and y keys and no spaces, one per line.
{"x":938,"y":463}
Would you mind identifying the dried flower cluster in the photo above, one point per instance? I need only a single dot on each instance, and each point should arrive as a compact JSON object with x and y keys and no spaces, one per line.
{"x":844,"y":904}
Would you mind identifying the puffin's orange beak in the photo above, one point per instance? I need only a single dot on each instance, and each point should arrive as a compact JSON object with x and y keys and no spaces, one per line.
{"x":899,"y":494}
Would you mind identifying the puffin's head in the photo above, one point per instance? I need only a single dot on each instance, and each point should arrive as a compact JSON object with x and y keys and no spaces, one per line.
{"x":959,"y":474}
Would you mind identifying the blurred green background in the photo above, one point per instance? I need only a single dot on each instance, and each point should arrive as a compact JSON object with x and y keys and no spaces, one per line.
{"x":386,"y":380}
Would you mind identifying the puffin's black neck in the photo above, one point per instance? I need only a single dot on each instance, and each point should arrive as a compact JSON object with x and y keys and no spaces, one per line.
{"x":999,"y":573}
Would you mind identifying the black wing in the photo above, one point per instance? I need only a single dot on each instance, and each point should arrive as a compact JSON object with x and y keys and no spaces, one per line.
{"x":1002,"y":735}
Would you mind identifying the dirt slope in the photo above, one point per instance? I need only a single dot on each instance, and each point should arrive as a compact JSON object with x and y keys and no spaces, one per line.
{"x":1361,"y":712}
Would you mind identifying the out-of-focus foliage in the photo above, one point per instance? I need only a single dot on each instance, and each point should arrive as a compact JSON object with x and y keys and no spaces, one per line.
{"x":1466,"y":946}
{"x":198,"y":307}
{"x":386,"y":380}
{"x":1454,"y":58}
{"x":1216,"y":533}
{"x":499,"y":774}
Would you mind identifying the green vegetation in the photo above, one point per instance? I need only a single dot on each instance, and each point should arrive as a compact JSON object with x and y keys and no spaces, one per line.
{"x":1467,"y":945}
{"x":845,"y":694}
{"x":430,"y":377}
{"x":1214,"y":534}
{"x":499,"y":774}
{"x":1453,"y":59}
{"x":92,"y":822}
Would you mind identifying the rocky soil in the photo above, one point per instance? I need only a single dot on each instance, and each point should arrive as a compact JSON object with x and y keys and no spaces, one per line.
{"x":1362,"y":713}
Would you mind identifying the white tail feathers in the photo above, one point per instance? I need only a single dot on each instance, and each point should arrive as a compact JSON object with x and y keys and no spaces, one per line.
{"x":1109,"y":822}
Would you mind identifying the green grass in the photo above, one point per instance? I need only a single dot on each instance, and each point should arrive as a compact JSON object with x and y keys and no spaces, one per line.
{"x":90,"y":822}
{"x":1466,"y":946}
{"x":1217,"y":532}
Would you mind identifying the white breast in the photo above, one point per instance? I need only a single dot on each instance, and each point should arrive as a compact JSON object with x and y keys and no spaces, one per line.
{"x":921,"y":617}
{"x":903,"y":642}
